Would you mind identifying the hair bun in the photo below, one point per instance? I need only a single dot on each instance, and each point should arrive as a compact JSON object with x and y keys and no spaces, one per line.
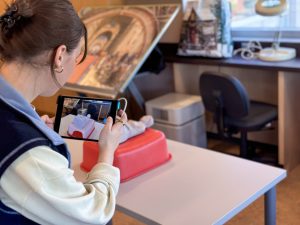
{"x":24,"y":8}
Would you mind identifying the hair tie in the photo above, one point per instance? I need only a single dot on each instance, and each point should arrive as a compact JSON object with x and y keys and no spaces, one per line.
{"x":9,"y":19}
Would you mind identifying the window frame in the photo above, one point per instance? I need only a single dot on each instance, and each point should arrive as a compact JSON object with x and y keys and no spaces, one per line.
{"x":265,"y":34}
{"x":247,"y":34}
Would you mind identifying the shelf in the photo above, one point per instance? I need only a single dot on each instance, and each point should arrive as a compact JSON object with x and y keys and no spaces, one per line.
{"x":169,"y":52}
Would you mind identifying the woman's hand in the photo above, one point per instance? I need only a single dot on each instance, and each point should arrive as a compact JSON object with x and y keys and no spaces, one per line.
{"x":109,"y":138}
{"x":48,"y":121}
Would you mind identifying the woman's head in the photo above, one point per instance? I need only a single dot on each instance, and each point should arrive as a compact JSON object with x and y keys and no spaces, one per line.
{"x":30,"y":29}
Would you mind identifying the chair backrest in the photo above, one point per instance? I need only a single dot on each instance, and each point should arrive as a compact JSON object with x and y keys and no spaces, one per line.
{"x":225,"y":91}
{"x":92,"y":110}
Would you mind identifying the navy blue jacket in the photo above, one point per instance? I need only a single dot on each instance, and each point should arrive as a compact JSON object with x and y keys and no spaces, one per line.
{"x":21,"y":129}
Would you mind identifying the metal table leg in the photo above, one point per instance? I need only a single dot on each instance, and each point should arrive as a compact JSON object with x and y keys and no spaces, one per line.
{"x":270,"y":207}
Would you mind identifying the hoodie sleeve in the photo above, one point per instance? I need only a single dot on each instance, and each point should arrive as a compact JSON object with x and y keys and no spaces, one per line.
{"x":40,"y":186}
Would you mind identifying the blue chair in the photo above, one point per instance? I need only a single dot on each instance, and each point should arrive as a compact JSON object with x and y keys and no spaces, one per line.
{"x":226,"y":97}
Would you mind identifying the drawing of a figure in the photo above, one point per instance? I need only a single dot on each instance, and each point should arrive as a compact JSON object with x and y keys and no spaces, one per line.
{"x":118,"y":38}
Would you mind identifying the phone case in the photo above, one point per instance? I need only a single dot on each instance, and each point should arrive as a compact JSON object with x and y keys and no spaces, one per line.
{"x":134,"y":157}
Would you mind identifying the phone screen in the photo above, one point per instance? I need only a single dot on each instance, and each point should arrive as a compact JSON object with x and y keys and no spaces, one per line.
{"x":83,"y":118}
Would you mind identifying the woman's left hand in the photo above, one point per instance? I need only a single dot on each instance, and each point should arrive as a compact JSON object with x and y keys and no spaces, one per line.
{"x":48,"y":121}
{"x":110,"y":137}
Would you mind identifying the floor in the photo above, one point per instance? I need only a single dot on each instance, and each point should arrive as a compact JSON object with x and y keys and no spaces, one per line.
{"x":288,"y":194}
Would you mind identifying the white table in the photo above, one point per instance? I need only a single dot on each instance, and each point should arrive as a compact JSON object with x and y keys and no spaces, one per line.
{"x":197,"y":186}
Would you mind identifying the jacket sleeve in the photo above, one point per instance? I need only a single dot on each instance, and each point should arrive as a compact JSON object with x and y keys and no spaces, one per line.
{"x":40,"y":186}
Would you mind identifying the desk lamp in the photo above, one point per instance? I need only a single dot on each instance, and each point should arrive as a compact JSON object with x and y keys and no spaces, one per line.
{"x":274,"y":53}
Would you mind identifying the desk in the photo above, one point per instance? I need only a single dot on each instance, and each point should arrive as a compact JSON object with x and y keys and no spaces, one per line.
{"x":197,"y":186}
{"x":271,"y":82}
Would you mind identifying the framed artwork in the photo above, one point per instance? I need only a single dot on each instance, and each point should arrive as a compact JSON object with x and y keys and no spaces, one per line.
{"x":120,"y":38}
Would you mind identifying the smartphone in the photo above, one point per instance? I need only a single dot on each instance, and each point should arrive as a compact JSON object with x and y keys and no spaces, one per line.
{"x":83,"y":118}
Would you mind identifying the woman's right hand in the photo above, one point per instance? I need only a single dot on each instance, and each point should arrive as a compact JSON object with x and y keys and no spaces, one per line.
{"x":109,"y":139}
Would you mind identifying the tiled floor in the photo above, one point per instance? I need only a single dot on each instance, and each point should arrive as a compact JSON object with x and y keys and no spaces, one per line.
{"x":288,"y":196}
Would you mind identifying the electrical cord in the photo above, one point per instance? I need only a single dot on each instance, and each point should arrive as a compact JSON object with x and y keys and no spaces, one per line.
{"x":250,"y":51}
{"x":125,"y":104}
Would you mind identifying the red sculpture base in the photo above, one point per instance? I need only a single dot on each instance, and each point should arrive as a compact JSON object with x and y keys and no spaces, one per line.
{"x":134,"y":157}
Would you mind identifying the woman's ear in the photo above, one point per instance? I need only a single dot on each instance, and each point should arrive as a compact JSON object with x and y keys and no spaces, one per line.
{"x":59,"y":57}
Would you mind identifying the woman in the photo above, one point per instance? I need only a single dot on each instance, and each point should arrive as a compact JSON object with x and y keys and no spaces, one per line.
{"x":40,"y":46}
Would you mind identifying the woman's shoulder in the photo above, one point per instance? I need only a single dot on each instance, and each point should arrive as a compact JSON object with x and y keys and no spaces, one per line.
{"x":16,"y":130}
{"x":17,"y":134}
{"x":14,"y":124}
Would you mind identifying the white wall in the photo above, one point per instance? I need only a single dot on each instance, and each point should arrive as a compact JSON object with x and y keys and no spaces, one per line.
{"x":260,"y":84}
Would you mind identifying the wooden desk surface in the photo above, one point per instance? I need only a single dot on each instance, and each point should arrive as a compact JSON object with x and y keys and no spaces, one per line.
{"x":198,"y":186}
{"x":170,"y":54}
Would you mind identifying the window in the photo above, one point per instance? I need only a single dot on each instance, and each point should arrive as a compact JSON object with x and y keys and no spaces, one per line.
{"x":246,"y":24}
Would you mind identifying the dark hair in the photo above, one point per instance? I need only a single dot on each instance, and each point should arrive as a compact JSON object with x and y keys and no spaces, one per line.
{"x":31,"y":27}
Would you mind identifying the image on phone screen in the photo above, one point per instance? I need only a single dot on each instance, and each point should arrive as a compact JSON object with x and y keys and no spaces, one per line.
{"x":83,"y":118}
